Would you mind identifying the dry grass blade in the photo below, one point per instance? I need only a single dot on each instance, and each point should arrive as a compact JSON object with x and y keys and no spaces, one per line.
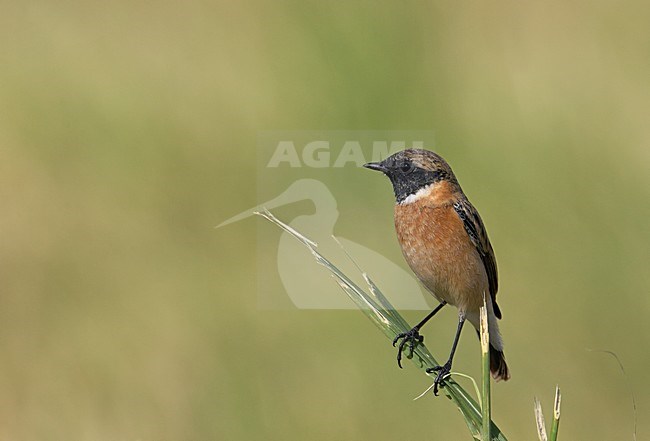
{"x":539,"y":419}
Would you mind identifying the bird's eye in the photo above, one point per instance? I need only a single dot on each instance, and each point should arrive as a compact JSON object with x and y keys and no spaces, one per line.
{"x":406,"y":167}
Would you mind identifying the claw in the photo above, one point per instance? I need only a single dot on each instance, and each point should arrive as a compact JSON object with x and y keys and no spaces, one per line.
{"x":412,"y":337}
{"x":443,"y":372}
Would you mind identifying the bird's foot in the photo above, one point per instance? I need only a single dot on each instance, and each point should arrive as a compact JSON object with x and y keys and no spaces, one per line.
{"x":411,"y":337}
{"x":443,"y":372}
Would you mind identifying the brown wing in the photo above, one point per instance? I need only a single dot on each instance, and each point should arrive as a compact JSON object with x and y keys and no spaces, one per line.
{"x":478,"y":235}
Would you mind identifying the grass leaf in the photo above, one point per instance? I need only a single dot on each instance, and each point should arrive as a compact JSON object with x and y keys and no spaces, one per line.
{"x":379,"y":310}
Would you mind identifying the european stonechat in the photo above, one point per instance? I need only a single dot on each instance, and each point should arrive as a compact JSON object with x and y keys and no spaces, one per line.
{"x":445,"y":243}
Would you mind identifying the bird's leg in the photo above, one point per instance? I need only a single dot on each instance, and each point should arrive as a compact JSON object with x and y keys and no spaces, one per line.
{"x":445,"y":369}
{"x":413,"y":336}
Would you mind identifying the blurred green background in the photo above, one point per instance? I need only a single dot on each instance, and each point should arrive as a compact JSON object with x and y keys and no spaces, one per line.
{"x":128,"y":130}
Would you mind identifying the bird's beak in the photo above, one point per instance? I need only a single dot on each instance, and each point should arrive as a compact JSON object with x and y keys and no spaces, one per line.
{"x":376,"y":166}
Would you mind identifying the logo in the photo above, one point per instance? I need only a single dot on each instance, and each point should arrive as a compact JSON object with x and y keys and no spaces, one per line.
{"x":318,"y":172}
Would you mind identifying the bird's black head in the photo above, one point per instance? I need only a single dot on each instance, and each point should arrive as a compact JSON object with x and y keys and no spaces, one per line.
{"x":413,"y":169}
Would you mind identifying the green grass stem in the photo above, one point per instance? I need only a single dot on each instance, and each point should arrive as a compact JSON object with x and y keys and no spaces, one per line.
{"x":556,"y":414}
{"x":485,"y":372}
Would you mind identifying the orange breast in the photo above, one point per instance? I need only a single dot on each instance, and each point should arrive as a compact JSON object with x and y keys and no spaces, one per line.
{"x":440,"y":253}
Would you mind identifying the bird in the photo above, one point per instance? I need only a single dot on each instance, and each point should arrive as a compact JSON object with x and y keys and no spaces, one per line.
{"x":445,"y":243}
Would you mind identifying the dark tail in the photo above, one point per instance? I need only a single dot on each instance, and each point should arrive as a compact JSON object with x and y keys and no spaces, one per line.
{"x":498,"y":366}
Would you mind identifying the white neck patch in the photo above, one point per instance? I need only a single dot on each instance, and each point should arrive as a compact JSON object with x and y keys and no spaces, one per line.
{"x":421,"y":193}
